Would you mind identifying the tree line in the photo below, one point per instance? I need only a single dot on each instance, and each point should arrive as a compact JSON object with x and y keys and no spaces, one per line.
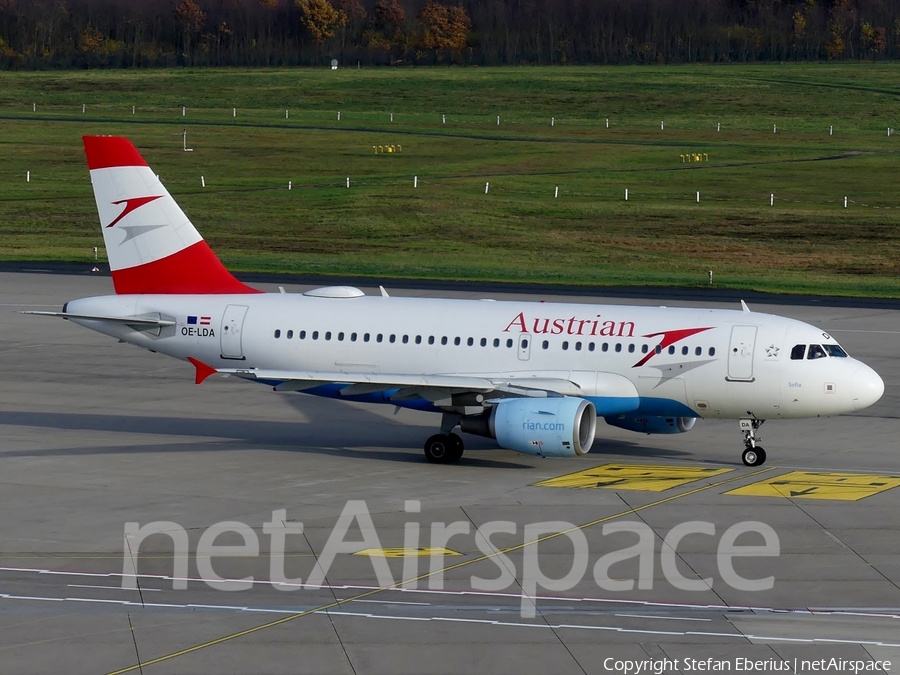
{"x":165,"y":33}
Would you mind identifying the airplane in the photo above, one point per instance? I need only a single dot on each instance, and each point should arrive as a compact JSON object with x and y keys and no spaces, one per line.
{"x":534,"y":376}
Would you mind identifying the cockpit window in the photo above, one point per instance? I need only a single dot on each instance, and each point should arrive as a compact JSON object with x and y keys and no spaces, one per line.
{"x":797,"y":352}
{"x":815,"y":352}
{"x":834,"y":350}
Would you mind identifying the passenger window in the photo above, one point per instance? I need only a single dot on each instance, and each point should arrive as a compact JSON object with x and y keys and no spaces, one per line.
{"x":797,"y":352}
{"x":631,"y":348}
{"x":618,"y":346}
{"x":698,"y":351}
{"x":834,"y":350}
{"x":671,"y":350}
{"x":379,"y":337}
{"x":590,"y":346}
{"x":302,"y":334}
{"x":418,"y":339}
{"x":328,"y":335}
{"x":815,"y":352}
{"x":509,"y":343}
{"x":605,"y":347}
{"x":456,"y":341}
{"x":470,"y":342}
{"x":565,"y":345}
{"x":340,"y":337}
{"x":405,"y":339}
{"x":290,"y":334}
{"x":277,"y":333}
{"x":644,"y":349}
{"x":392,"y":339}
{"x":444,"y":340}
{"x":545,"y":344}
{"x":431,"y":339}
{"x":712,"y":351}
{"x":577,"y":346}
{"x":366,"y":337}
{"x":496,"y":342}
{"x":484,"y":342}
{"x":524,"y":344}
{"x":352,"y":337}
{"x":315,"y":335}
{"x":658,"y":349}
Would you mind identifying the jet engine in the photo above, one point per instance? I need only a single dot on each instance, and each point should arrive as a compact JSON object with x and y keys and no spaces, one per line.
{"x":651,"y":424}
{"x":548,"y":427}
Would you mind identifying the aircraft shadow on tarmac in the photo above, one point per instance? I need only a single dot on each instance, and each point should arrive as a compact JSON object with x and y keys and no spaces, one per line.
{"x":372,"y":438}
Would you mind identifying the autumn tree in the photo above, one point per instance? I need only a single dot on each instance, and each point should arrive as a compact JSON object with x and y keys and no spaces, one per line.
{"x":190,"y":17}
{"x":388,"y":20}
{"x":444,"y":28}
{"x":320,"y":18}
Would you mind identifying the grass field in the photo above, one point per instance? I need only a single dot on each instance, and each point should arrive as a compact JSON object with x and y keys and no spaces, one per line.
{"x":448,"y":227}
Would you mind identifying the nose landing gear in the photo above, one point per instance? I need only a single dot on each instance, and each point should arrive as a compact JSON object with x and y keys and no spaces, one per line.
{"x":753,"y":454}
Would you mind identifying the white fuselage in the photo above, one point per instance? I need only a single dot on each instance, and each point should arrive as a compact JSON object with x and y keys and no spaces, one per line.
{"x":720,"y":363}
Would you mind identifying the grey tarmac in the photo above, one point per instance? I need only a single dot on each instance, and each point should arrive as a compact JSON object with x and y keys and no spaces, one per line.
{"x":94,"y":434}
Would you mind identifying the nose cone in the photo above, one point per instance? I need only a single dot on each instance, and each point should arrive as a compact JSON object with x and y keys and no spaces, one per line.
{"x":866,"y":387}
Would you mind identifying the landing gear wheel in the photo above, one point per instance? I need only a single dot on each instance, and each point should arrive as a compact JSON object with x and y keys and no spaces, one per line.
{"x":456,"y":448}
{"x":439,"y":449}
{"x":753,"y":456}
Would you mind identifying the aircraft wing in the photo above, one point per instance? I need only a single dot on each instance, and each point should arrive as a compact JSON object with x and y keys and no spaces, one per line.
{"x":364,"y":383}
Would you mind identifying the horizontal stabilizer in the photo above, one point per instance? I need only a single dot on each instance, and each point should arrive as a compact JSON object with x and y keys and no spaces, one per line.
{"x":127,"y":320}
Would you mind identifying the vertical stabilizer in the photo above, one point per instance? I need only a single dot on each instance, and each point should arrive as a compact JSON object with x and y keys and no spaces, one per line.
{"x":151,"y":244}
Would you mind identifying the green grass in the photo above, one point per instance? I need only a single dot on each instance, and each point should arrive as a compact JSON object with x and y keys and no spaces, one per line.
{"x":448,"y":228}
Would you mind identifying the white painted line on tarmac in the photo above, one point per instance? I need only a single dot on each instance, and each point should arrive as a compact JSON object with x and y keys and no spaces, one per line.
{"x":664,"y":618}
{"x":112,"y":588}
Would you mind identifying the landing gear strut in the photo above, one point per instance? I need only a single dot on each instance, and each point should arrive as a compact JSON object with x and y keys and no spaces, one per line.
{"x":444,"y":448}
{"x":753,"y":454}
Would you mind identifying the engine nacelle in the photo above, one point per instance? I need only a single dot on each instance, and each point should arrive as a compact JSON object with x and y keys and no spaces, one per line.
{"x":549,"y":427}
{"x":651,"y":424}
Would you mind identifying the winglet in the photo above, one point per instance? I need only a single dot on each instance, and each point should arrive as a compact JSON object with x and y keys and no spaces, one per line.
{"x":384,"y":293}
{"x":203,"y":370}
{"x":744,"y":306}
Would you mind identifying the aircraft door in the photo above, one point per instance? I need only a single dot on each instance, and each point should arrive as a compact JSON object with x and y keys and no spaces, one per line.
{"x":740,"y":353}
{"x":524,"y":347}
{"x":232,"y":327}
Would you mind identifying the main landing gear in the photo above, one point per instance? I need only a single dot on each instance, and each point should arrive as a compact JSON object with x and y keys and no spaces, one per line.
{"x":444,"y":448}
{"x":753,"y":454}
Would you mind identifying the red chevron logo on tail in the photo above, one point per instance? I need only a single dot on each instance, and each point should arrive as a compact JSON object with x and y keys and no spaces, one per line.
{"x":131,"y":205}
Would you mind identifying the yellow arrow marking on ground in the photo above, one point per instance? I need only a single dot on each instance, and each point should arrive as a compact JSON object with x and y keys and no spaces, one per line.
{"x":820,"y":485}
{"x":632,"y":477}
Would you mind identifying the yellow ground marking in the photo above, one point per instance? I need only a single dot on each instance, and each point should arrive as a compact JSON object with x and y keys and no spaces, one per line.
{"x":425,"y":551}
{"x":448,"y":568}
{"x":632,"y":477}
{"x":820,"y":485}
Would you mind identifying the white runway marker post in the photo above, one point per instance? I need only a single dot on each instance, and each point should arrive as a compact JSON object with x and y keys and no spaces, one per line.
{"x":556,"y":192}
{"x":498,"y":120}
{"x":662,"y":126}
{"x":552,"y":121}
{"x":234,"y":112}
{"x":27,"y":176}
{"x":290,"y":185}
{"x":626,"y":194}
{"x":348,"y":181}
{"x":774,"y":129}
{"x":607,"y":123}
{"x":718,"y":126}
{"x":486,"y":187}
{"x":84,"y":109}
{"x":415,"y":182}
{"x":183,"y":111}
{"x":831,"y":130}
{"x":339,"y":116}
{"x":771,"y":200}
{"x":845,"y":202}
{"x":443,"y":119}
{"x":285,"y":114}
{"x":202,"y":182}
{"x":392,"y":117}
{"x":34,"y":107}
{"x":132,"y":110}
{"x":698,"y":196}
